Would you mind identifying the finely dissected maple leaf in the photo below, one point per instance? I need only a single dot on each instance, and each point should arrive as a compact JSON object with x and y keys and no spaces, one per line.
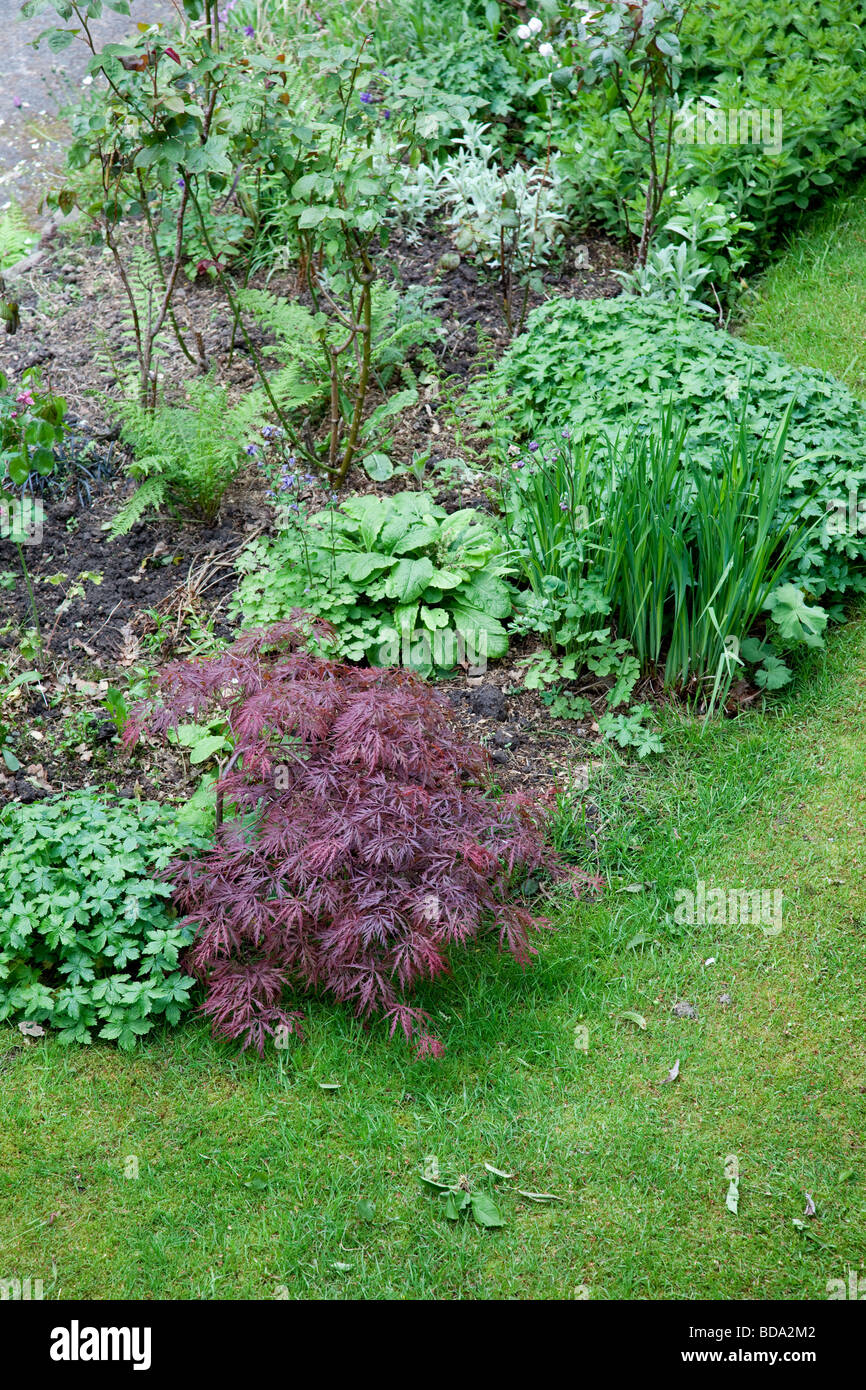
{"x":363,"y":844}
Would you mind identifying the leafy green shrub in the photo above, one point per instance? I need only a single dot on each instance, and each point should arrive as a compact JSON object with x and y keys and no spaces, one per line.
{"x":605,"y":365}
{"x":87,"y":940}
{"x":396,"y":576}
{"x":804,"y":61}
{"x":450,"y":49}
{"x":185,"y":456}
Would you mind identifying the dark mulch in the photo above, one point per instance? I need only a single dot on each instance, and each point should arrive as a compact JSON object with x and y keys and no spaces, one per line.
{"x":71,"y":303}
{"x":470,"y":300}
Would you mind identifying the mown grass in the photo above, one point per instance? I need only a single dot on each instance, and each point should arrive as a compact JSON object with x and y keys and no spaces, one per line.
{"x":250,"y":1174}
{"x":811,"y":303}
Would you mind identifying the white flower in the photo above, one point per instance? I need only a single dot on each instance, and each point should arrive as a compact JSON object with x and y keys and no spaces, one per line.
{"x":545,"y":50}
{"x":534,"y":25}
{"x":524,"y":32}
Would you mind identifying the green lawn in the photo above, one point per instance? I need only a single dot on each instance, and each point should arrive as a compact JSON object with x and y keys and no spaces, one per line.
{"x":811,"y":305}
{"x":250,"y":1174}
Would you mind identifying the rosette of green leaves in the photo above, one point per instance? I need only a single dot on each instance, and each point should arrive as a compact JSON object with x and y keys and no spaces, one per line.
{"x":390,"y":573}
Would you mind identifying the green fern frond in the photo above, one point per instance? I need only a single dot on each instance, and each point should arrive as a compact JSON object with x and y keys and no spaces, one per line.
{"x":149,"y":496}
{"x":194,"y":451}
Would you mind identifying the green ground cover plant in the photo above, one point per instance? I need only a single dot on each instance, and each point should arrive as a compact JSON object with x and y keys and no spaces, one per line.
{"x":604,"y":365}
{"x":89,"y":946}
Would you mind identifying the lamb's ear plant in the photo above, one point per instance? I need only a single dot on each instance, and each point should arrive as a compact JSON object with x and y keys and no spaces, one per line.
{"x":510,"y":220}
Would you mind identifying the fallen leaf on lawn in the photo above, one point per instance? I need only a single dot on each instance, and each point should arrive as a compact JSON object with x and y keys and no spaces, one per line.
{"x":437,"y":1186}
{"x":31,"y":1030}
{"x":456,"y":1202}
{"x":810,"y":1206}
{"x":673,"y":1073}
{"x":330,"y":1085}
{"x":341,"y":1268}
{"x":632,"y":888}
{"x":484,"y":1210}
{"x":431,"y":1167}
{"x":732,"y":1201}
{"x":540,"y":1196}
{"x":497,"y":1172}
{"x":629,"y":1016}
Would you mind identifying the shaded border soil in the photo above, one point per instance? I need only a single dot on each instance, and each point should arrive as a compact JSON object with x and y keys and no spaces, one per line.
{"x":166,"y":572}
{"x":73,"y":312}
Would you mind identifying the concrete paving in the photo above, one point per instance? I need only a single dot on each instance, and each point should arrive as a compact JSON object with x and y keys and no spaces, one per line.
{"x":35,"y":84}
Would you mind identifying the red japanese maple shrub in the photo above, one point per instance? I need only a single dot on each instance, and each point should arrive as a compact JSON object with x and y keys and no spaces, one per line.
{"x":363,"y":843}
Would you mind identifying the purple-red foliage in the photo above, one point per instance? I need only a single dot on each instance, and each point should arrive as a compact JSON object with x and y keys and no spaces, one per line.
{"x":362,"y":844}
